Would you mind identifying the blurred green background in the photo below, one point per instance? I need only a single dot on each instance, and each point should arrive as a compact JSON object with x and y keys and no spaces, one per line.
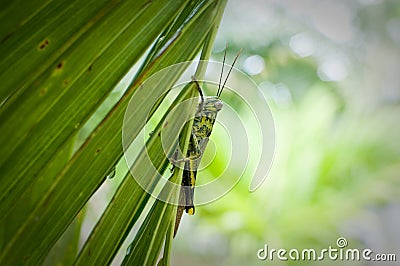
{"x":330,"y":72}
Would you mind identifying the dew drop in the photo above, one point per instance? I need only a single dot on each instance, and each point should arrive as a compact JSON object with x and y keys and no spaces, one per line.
{"x":111,"y":174}
{"x":129,"y":249}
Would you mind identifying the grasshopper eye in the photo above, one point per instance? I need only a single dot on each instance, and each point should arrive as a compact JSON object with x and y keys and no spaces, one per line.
{"x":218,"y":105}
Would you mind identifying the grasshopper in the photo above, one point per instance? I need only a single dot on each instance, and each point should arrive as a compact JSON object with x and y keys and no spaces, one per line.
{"x":203,"y":123}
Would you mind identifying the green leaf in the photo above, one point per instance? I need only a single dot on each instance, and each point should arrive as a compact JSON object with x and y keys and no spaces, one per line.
{"x":64,"y":251}
{"x":91,"y":69}
{"x":129,"y":200}
{"x":160,"y":222}
{"x":148,"y":241}
{"x":124,"y":209}
{"x":58,"y":88}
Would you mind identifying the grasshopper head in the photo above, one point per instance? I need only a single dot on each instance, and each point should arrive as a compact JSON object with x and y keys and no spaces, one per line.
{"x":212,"y":104}
{"x":210,"y":107}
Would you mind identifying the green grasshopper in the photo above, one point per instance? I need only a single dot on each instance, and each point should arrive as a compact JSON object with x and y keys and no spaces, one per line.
{"x":203,"y":123}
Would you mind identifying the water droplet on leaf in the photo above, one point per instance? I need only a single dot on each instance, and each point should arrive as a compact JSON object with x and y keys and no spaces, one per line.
{"x":111,"y":174}
{"x":129,"y":249}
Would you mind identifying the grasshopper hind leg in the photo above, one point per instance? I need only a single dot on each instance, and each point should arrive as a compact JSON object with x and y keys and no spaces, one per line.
{"x":185,"y":204}
{"x":185,"y":200}
{"x":187,"y":192}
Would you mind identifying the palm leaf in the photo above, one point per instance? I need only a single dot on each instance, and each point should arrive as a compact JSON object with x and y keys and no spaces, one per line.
{"x":55,"y":80}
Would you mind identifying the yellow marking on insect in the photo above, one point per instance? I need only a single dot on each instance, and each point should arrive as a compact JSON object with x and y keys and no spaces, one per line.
{"x":192,"y":179}
{"x":190,"y":211}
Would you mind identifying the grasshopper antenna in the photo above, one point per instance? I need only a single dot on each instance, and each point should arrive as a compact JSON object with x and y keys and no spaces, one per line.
{"x":234,"y":61}
{"x":222,"y":71}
